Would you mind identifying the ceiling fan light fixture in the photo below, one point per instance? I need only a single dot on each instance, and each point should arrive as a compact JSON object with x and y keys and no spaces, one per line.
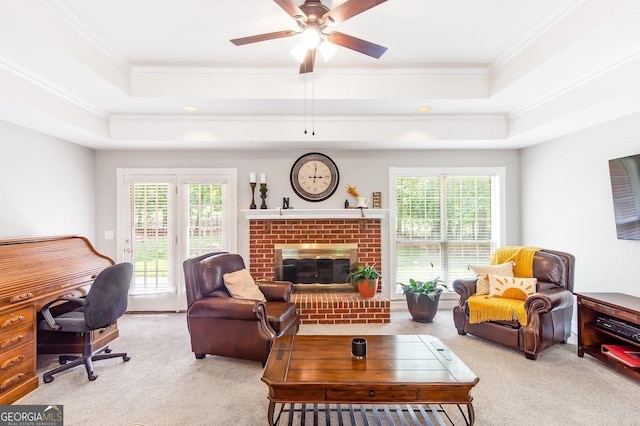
{"x":299,"y":52}
{"x":327,"y":50}
{"x":310,"y":37}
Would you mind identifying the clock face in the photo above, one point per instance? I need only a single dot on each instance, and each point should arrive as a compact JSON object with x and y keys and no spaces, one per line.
{"x":314,"y":177}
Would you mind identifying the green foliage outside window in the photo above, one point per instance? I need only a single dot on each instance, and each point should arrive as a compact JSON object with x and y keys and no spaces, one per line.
{"x":444,"y":220}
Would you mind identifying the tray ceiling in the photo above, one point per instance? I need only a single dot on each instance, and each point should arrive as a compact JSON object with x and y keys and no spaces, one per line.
{"x":495,"y":74}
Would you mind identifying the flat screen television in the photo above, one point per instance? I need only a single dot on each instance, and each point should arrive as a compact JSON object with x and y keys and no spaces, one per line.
{"x":625,"y":187}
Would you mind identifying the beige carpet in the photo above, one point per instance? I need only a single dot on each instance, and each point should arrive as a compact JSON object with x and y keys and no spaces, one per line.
{"x":164,"y":384}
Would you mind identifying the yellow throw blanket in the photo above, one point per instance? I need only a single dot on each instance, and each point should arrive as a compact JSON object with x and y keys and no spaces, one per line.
{"x":521,"y":256}
{"x":487,"y":308}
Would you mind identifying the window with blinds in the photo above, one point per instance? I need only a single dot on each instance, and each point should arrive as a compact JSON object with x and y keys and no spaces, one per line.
{"x":443,"y":224}
{"x":150,"y":223}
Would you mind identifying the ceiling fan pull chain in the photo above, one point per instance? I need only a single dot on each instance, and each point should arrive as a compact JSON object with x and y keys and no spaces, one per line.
{"x":305,"y":104}
{"x":313,"y":104}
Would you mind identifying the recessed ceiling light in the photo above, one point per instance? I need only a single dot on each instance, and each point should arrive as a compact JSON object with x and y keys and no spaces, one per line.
{"x":424,"y":108}
{"x":189,"y":108}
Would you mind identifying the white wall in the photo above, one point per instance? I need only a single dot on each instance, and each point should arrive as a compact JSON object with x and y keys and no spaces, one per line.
{"x":366,"y":170}
{"x":47,"y":185}
{"x":567,"y":204}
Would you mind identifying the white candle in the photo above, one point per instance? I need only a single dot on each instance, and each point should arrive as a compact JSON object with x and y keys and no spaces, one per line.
{"x":263,"y":178}
{"x":252,"y":177}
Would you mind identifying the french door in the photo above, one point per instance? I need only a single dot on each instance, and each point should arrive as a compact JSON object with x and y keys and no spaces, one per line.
{"x":166,"y":216}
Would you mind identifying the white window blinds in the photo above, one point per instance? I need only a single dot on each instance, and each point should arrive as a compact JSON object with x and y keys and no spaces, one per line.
{"x":442,"y":220}
{"x":150,"y":229}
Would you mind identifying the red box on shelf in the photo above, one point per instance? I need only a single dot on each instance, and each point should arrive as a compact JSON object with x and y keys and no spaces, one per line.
{"x":627,"y":354}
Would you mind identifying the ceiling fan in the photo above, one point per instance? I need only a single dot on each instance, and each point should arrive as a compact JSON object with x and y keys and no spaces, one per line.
{"x":313,"y":18}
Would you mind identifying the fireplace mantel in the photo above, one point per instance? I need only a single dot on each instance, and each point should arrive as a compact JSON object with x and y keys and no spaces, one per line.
{"x":275,"y":214}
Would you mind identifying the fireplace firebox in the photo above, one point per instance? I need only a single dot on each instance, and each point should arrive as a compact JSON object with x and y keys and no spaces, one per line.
{"x":316,"y":267}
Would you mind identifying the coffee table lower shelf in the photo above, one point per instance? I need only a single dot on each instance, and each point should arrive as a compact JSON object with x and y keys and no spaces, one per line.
{"x":369,"y":414}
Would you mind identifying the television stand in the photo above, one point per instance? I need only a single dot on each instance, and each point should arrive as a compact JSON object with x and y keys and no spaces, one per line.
{"x":591,"y":337}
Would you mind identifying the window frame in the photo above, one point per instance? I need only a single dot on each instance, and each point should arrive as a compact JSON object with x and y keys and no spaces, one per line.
{"x":498,"y":202}
{"x":179,"y":178}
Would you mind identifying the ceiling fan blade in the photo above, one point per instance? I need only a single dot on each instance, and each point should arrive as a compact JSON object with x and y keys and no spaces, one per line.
{"x":349,"y":9}
{"x":291,"y":8}
{"x":262,"y":37}
{"x":307,"y":65}
{"x":359,"y":45}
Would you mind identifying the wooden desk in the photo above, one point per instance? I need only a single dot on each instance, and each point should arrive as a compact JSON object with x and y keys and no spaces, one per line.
{"x":398,"y":369}
{"x":33,"y":272}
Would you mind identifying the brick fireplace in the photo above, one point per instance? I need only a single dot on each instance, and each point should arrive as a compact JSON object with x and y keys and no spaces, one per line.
{"x":321,"y":308}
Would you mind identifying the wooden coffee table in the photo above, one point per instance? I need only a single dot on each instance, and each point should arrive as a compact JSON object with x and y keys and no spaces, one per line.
{"x":407,"y":369}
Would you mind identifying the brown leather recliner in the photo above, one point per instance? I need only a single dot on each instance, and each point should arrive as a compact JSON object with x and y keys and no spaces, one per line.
{"x":238,"y":328}
{"x":549,"y":310}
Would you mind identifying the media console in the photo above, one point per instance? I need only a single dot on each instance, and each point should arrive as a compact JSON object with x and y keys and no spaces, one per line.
{"x":608,"y":319}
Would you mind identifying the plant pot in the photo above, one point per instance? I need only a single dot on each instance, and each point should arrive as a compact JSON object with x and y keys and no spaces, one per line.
{"x":421,"y":307}
{"x":367,"y":288}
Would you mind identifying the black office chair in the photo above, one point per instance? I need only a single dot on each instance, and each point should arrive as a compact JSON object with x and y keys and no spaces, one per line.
{"x":102,"y":306}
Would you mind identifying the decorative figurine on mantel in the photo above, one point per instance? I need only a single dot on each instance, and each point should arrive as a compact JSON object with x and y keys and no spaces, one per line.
{"x":377,"y":200}
{"x":361,"y":202}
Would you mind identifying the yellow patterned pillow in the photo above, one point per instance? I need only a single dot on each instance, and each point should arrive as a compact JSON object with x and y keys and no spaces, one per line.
{"x":482,"y":271}
{"x":511,"y":287}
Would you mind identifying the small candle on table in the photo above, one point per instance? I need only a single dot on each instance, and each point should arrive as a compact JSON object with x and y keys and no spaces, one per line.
{"x":252,"y":177}
{"x":263,"y":178}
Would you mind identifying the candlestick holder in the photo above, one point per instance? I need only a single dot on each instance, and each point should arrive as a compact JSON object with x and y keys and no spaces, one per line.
{"x":263,"y":195}
{"x":252,"y":206}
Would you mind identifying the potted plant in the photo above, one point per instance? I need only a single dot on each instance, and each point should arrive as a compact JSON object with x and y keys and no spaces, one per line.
{"x":365,"y":278}
{"x":423,"y":297}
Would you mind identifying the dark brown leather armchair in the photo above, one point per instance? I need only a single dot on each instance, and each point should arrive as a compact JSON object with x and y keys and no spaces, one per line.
{"x":238,"y":328}
{"x":549,"y":310}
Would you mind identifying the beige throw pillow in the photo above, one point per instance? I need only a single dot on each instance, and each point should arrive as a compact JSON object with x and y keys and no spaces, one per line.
{"x":482,"y":271}
{"x":512,"y":287}
{"x":242,"y":286}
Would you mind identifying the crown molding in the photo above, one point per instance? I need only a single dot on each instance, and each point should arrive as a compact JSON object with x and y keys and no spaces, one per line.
{"x":48,"y":86}
{"x":86,"y":32}
{"x":541,"y":29}
{"x":186,"y":70}
{"x":351,"y":118}
{"x":583,"y":79}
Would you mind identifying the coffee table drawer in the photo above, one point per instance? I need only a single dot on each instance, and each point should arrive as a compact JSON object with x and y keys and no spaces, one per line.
{"x":365,"y":394}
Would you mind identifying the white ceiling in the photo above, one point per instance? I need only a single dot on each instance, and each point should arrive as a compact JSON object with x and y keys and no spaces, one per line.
{"x":497,"y":73}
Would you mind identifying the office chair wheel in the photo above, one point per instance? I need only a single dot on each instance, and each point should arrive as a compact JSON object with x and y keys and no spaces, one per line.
{"x":200,"y":356}
{"x":63,"y":359}
{"x":92,"y":377}
{"x":108,"y":350}
{"x":126,"y":358}
{"x":47,"y":379}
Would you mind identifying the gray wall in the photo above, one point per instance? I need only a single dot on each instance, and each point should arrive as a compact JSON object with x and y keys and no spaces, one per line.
{"x":567,"y":204}
{"x":366,"y":170}
{"x":47,"y":185}
{"x":561,"y":187}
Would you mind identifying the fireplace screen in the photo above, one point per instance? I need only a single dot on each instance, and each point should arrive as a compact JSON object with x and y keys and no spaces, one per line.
{"x":316,"y":267}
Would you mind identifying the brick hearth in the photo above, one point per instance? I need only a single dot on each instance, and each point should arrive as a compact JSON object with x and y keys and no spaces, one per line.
{"x":322,"y":308}
{"x":342,"y":308}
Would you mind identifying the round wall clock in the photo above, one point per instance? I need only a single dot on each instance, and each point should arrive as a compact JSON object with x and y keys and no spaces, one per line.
{"x":314,"y":177}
